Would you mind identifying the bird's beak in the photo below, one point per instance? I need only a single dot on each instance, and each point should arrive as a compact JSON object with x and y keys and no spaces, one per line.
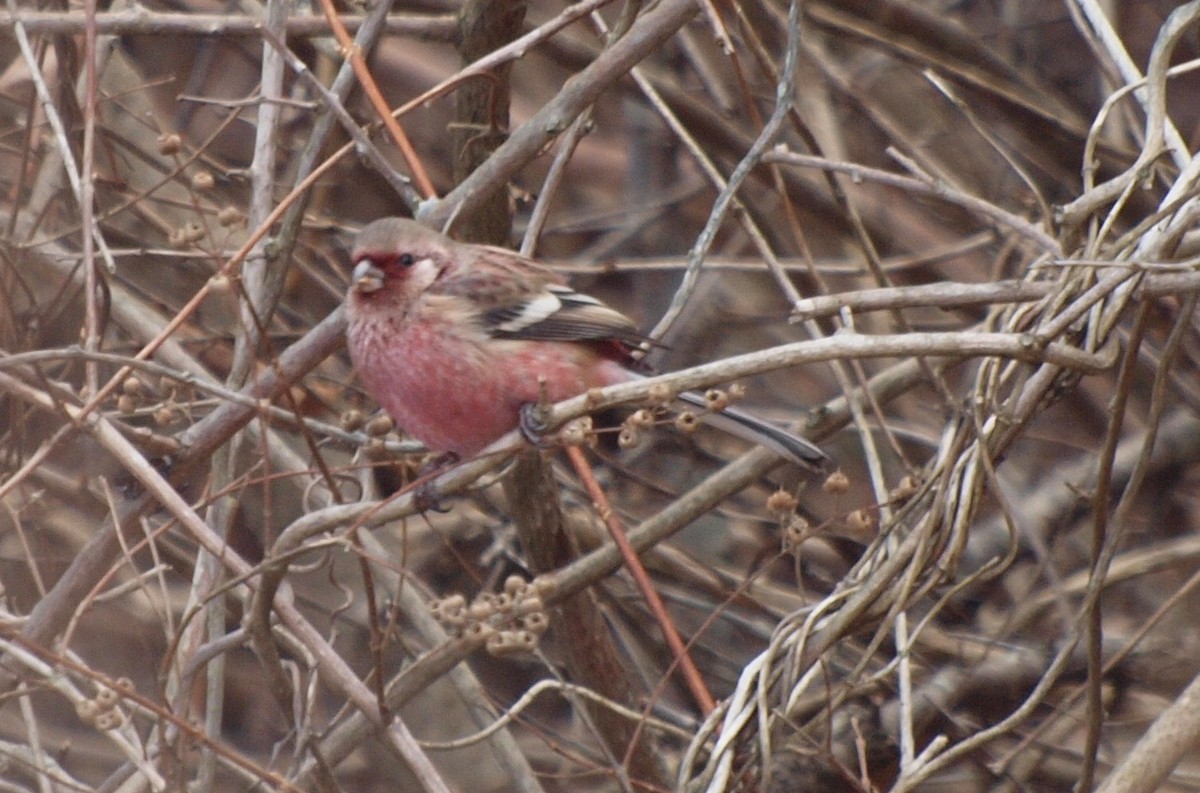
{"x":367,"y":277}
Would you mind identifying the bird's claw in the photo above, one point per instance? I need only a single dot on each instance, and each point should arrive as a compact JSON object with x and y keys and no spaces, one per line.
{"x":533,"y":427}
{"x":427,"y":499}
{"x":425,"y":496}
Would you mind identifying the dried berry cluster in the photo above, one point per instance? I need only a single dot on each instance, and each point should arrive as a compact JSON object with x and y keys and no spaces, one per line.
{"x":101,"y":711}
{"x":167,"y":403}
{"x":860,"y":522}
{"x":505,"y":623}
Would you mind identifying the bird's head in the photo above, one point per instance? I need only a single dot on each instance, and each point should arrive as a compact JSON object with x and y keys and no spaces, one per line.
{"x":395,"y":259}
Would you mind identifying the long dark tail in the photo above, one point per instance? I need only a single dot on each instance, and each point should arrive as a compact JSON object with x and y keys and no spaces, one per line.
{"x":751,"y":428}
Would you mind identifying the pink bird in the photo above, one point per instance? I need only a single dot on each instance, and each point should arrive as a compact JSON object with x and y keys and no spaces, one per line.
{"x":451,"y":339}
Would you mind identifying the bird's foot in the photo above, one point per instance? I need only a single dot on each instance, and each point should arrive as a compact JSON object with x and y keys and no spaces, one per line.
{"x":533,"y":426}
{"x":427,"y":499}
{"x":425,"y":496}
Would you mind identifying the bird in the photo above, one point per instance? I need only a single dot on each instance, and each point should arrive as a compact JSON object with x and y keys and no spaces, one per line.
{"x":455,"y":340}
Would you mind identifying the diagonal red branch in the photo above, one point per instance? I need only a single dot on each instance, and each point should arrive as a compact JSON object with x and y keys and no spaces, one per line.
{"x":691,"y":675}
{"x":354,"y":55}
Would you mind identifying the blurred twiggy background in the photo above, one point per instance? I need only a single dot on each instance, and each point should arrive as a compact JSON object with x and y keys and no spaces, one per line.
{"x":953,"y":242}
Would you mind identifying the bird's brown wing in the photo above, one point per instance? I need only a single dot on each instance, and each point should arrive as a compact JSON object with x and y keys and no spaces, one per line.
{"x":559,"y":313}
{"x":520,"y":299}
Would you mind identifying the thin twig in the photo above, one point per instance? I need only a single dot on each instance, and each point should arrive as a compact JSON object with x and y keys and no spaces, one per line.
{"x":140,"y":20}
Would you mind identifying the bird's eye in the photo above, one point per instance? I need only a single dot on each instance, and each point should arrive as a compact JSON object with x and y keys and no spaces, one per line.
{"x":406,"y":260}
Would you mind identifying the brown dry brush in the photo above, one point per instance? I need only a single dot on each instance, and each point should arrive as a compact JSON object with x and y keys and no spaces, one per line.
{"x":953,"y":242}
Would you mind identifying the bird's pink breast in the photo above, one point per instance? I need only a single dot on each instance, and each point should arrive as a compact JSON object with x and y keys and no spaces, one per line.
{"x":459,"y":391}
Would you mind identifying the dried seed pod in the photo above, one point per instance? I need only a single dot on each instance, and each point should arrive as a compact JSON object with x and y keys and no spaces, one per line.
{"x":862,"y":521}
{"x":164,"y":415}
{"x":455,"y":602}
{"x":660,"y":396}
{"x":380,"y":425}
{"x":530,"y":604}
{"x":480,"y":610}
{"x":540,"y":587}
{"x":351,"y":420}
{"x":107,"y":720}
{"x":570,"y":435}
{"x":220,"y":284}
{"x":796,"y":532}
{"x":454,"y":619}
{"x":202,"y":181}
{"x":169,"y":143}
{"x":230,"y":216}
{"x":836,"y":483}
{"x":686,"y":421}
{"x":716,"y":400}
{"x":905,"y":489}
{"x":627,"y":437}
{"x":133,"y":386}
{"x":106,"y":698}
{"x":781,"y":502}
{"x":515,"y":585}
{"x":524,"y":641}
{"x":375,"y":449}
{"x":499,"y":644}
{"x":87,"y":710}
{"x":736,"y":392}
{"x":537,"y":622}
{"x":479,"y":632}
{"x":126,"y":404}
{"x":193,"y":232}
{"x":578,"y":432}
{"x":641,"y":419}
{"x":448,"y":607}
